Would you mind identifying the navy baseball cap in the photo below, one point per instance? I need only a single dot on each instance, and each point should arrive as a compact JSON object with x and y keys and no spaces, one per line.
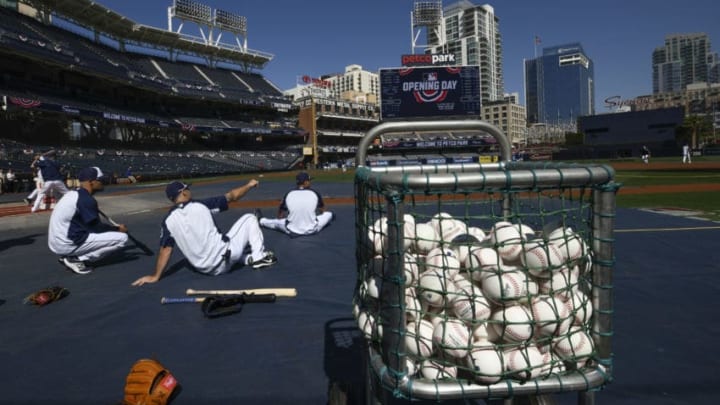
{"x":302,"y":177}
{"x":90,"y":174}
{"x":174,"y":189}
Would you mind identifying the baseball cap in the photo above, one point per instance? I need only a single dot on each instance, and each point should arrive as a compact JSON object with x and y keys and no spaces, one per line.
{"x":90,"y":174}
{"x":173,"y":189}
{"x":302,"y":177}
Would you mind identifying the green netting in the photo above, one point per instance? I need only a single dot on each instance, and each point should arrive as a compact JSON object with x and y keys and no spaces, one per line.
{"x":482,"y":288}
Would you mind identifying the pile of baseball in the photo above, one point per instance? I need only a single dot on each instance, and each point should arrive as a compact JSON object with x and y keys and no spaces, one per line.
{"x":506,"y":303}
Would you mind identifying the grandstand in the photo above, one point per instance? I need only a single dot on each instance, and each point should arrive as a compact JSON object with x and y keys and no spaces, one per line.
{"x":81,"y":78}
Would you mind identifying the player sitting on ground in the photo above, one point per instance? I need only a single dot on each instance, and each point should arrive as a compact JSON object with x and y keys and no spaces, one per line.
{"x":76,"y":232}
{"x":301,"y":212}
{"x":190,"y":226}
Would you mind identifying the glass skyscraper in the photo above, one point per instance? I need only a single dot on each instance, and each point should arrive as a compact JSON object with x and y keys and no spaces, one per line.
{"x":559,"y":85}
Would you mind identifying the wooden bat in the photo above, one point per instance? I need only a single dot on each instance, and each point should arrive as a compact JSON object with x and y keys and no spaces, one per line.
{"x":280,"y":292}
{"x":137,"y":243}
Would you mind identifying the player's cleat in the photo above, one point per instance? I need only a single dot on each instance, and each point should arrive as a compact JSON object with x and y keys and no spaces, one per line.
{"x":75,"y":265}
{"x":26,"y":201}
{"x":268,"y":260}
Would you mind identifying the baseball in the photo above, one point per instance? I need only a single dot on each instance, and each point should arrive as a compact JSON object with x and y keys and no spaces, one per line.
{"x":512,"y":324}
{"x":552,"y":363}
{"x":366,"y":322}
{"x":434,"y":287}
{"x":524,"y":363}
{"x":525,"y":231}
{"x":434,"y":370}
{"x":508,"y":286}
{"x":373,"y":287}
{"x":540,"y":258}
{"x":506,"y":239}
{"x":418,"y":338}
{"x":486,"y":364}
{"x":563,"y":282}
{"x":580,"y":308}
{"x":377,"y":238}
{"x":426,"y":238}
{"x":442,"y":219}
{"x":574,"y":347}
{"x":471,"y":307}
{"x":411,"y":269}
{"x":452,"y":337}
{"x":413,"y":309}
{"x":482,"y":262}
{"x":570,"y":244}
{"x":478,"y":233}
{"x":551,"y":315}
{"x":443,"y":259}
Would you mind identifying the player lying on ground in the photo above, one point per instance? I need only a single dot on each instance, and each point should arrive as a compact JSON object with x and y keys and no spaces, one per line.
{"x":189,"y":226}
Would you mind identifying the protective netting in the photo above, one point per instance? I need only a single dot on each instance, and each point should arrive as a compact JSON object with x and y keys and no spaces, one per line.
{"x":471,"y":289}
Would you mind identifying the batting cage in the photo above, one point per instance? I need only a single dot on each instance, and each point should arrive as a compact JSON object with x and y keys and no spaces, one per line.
{"x":483,"y":281}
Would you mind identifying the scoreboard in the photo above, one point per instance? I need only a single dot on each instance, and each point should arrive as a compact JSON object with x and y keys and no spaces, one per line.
{"x":430,"y":92}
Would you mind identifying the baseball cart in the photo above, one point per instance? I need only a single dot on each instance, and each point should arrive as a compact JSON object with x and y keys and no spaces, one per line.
{"x":483,"y":281}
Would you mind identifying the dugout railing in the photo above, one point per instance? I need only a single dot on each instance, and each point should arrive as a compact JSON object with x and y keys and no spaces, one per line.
{"x":393,"y":203}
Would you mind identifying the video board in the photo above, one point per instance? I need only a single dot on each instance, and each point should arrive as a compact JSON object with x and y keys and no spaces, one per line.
{"x":430,"y":92}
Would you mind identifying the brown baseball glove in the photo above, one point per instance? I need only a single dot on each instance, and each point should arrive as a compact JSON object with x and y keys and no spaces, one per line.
{"x":46,"y":296}
{"x":149,"y":383}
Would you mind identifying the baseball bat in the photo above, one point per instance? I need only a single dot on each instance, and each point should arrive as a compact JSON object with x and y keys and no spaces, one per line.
{"x":137,"y":243}
{"x":280,"y":292}
{"x":181,"y":300}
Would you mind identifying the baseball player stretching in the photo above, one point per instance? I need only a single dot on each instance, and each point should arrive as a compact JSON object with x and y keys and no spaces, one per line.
{"x":190,"y":226}
{"x":301,"y":212}
{"x":52,"y":178}
{"x":76,"y":232}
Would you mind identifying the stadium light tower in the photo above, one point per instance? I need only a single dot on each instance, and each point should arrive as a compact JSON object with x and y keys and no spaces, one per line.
{"x":427,"y":15}
{"x":233,"y":23}
{"x":188,"y":10}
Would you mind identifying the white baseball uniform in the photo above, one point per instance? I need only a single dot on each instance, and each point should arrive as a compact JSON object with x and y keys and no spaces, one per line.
{"x":301,"y":205}
{"x":191,"y":227}
{"x":76,"y":230}
{"x":52,"y":181}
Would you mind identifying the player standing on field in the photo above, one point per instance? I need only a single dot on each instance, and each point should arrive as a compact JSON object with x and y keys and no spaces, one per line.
{"x":687,"y":156}
{"x":52,"y":178}
{"x":301,"y":212}
{"x":190,"y":226}
{"x":76,"y":232}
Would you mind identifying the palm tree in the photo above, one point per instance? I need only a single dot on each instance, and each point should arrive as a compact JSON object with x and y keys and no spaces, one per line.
{"x":697,"y":125}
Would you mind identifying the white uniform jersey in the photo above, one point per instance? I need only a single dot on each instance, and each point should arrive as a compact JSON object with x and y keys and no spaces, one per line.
{"x":75,"y":216}
{"x":191,"y":227}
{"x":302,"y":206}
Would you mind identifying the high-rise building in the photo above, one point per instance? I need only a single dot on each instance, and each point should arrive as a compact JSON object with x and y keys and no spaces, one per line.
{"x":559,"y":85}
{"x":472,"y":34}
{"x":684,"y":59}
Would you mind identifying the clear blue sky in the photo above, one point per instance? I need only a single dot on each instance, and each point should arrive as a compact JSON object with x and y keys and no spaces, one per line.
{"x":320,"y":36}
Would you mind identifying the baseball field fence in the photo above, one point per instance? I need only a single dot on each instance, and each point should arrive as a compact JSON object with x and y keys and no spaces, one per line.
{"x":483,"y":280}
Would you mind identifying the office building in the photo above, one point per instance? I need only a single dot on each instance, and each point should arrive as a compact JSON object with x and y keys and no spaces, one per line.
{"x":559,"y":86}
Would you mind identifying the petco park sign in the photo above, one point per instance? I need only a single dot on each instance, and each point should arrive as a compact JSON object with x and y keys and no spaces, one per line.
{"x":428,"y":59}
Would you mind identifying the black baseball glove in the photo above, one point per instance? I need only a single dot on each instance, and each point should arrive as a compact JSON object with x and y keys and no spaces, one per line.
{"x":216,"y":306}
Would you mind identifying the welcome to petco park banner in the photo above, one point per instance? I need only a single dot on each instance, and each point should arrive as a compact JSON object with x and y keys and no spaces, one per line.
{"x":427,"y":92}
